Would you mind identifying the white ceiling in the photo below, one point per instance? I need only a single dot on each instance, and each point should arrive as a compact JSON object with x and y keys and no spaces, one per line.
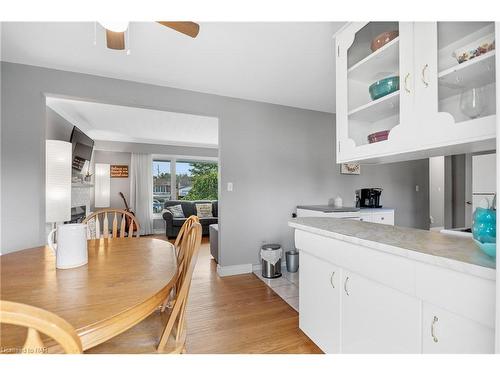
{"x":289,"y":63}
{"x":107,"y":122}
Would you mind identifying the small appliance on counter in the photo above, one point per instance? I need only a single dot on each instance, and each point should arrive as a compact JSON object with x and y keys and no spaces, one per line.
{"x":368,"y":197}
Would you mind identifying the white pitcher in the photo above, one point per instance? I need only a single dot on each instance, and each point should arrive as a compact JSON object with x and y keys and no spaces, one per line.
{"x":71,"y":248}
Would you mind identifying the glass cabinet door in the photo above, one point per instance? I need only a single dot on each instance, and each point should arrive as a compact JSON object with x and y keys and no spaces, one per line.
{"x":466,"y":69}
{"x":455,"y":80}
{"x":375,"y":73}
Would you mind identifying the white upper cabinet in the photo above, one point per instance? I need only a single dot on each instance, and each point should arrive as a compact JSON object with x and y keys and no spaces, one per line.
{"x":441,"y":107}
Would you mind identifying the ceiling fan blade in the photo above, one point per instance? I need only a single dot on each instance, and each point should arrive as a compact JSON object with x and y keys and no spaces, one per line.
{"x":188,"y":28}
{"x":115,"y":40}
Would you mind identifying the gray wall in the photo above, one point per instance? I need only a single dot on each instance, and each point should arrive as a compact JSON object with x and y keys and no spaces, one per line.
{"x":276,"y":156}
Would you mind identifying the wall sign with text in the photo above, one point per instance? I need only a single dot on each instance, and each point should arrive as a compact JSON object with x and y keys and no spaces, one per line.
{"x":119,"y":171}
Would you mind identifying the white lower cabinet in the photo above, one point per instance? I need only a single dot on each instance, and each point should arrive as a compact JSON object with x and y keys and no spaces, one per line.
{"x":347,"y":307}
{"x":445,"y":332}
{"x":319,"y":303}
{"x":378,"y":319}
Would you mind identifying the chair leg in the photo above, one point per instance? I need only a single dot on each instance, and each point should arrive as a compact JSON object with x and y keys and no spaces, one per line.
{"x":184,"y":351}
{"x":169,"y":301}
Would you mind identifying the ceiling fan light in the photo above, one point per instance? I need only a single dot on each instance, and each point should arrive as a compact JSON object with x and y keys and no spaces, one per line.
{"x":116,"y":26}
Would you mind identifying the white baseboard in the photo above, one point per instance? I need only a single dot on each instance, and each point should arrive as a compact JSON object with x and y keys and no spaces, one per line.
{"x":237,"y":269}
{"x":159,"y":231}
{"x":256,"y":267}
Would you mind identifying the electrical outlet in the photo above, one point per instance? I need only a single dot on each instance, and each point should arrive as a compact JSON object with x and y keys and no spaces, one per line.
{"x":417,"y":188}
{"x":229,"y":186}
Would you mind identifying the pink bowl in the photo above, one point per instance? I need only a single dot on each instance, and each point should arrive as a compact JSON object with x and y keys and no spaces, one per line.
{"x":378,"y":136}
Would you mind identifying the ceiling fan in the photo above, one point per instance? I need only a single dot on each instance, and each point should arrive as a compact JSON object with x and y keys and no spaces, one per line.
{"x":115,"y":31}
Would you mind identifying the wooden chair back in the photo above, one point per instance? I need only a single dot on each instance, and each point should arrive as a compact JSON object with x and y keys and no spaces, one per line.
{"x":40,"y":321}
{"x":174,"y":332}
{"x":190,"y":220}
{"x":125,"y":228}
{"x":179,"y":252}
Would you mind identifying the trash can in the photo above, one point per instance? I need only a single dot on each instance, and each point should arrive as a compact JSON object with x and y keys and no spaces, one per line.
{"x":270,"y":255}
{"x":292,"y":261}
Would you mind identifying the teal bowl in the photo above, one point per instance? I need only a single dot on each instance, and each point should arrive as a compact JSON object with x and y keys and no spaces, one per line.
{"x":487,"y":248}
{"x":384,"y":87}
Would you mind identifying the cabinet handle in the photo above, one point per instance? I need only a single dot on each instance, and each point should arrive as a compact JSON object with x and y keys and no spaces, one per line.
{"x":345,"y":285}
{"x":406,"y":83}
{"x":423,"y":75}
{"x":433,"y":334}
{"x":331,"y":279}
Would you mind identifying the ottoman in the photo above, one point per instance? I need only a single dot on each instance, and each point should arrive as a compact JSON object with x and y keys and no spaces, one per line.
{"x":213,"y":231}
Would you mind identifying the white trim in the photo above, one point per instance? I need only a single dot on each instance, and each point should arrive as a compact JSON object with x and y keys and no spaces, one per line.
{"x":146,"y":141}
{"x":256,"y":267}
{"x":237,"y":269}
{"x":159,"y":231}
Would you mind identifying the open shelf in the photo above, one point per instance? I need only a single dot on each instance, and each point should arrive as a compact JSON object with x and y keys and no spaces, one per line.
{"x":384,"y":60}
{"x":379,"y":109}
{"x":478,"y":72}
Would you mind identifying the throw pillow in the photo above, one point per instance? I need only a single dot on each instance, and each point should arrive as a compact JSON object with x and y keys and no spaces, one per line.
{"x":176,"y":211}
{"x":204,"y":210}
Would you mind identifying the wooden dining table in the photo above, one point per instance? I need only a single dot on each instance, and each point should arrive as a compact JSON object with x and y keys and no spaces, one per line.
{"x":125,"y":280}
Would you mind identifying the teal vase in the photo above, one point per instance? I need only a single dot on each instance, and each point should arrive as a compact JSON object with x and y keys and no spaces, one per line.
{"x":484,"y":230}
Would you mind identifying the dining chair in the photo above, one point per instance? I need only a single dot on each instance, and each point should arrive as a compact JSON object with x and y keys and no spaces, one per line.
{"x":128,"y":224}
{"x":38,"y":321}
{"x":179,"y":252}
{"x":168,"y":326}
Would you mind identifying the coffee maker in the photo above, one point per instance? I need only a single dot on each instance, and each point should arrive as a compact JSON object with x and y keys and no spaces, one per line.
{"x":368,"y":197}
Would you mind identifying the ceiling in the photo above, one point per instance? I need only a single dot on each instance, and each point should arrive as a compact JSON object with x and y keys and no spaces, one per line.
{"x":288,"y":63}
{"x":107,"y":122}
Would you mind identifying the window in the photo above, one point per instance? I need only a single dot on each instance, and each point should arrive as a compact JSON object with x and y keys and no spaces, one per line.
{"x":183,"y":178}
{"x":161,"y":184}
{"x":196,"y":180}
{"x":193,"y":180}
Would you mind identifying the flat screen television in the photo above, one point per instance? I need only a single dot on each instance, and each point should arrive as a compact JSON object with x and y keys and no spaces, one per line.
{"x":82,"y":148}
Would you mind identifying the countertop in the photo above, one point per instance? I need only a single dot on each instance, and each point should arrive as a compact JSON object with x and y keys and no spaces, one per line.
{"x":456,"y":253}
{"x":328,"y":208}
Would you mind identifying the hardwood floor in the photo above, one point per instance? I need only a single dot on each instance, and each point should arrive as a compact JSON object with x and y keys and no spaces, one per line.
{"x":239,"y":314}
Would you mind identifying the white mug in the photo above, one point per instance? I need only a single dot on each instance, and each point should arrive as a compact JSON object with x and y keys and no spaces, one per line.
{"x":71,"y":248}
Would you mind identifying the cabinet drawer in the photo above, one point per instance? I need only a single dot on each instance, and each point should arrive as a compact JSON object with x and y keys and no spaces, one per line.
{"x":365,"y":217}
{"x":445,"y":332}
{"x":383,"y":218}
{"x":468,"y":296}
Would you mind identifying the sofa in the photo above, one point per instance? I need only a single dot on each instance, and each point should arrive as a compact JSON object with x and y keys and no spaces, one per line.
{"x":173,"y":225}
